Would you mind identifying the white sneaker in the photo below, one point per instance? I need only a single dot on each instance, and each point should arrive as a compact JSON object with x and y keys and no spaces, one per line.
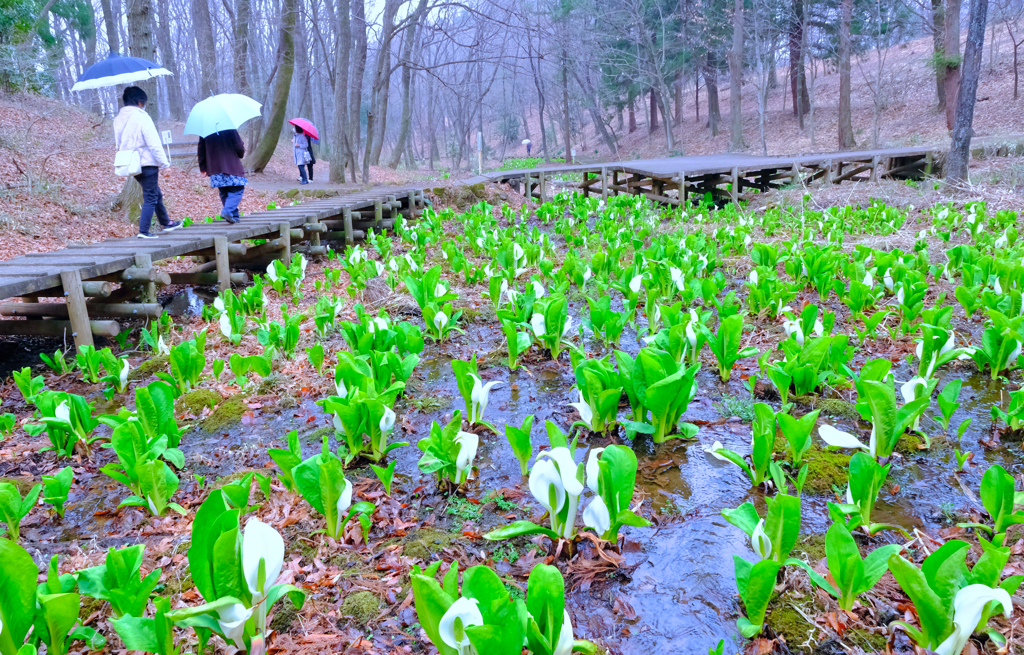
{"x":146,"y":236}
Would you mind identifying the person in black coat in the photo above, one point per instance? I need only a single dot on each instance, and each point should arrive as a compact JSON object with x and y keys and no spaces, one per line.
{"x":220,"y":157}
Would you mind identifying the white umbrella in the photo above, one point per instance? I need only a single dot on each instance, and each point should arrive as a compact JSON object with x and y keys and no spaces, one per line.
{"x":226,"y":111}
{"x":526,"y":141}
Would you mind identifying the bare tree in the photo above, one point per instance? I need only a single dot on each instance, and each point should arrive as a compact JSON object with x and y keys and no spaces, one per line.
{"x":343,"y":47}
{"x":960,"y":148}
{"x":260,"y":155}
{"x":167,"y":59}
{"x":203,"y":27}
{"x":142,"y":44}
{"x":846,"y":140}
{"x":951,"y":58}
{"x":736,"y":79}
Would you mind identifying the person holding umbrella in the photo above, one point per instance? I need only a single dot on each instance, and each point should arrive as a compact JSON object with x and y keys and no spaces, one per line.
{"x":134,"y":131}
{"x":302,"y":147}
{"x":220,"y":158}
{"x":215,"y":121}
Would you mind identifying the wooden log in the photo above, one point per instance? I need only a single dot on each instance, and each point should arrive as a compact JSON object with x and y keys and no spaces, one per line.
{"x":378,"y":215}
{"x":147,"y":291}
{"x":90,"y":288}
{"x":851,"y":173}
{"x":79,"y":315}
{"x":735,"y":188}
{"x":272,"y":245}
{"x":315,"y":227}
{"x":208,"y":278}
{"x":138,"y":275}
{"x":234,"y":250}
{"x":58,"y":328}
{"x":341,"y":235}
{"x":286,"y":241}
{"x":220,"y":247}
{"x":874,"y":169}
{"x":62,"y":310}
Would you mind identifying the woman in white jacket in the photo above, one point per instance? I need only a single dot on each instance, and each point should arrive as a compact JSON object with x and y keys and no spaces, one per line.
{"x":134,"y":130}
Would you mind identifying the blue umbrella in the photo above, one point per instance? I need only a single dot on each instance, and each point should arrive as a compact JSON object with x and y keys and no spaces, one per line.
{"x":115,"y":70}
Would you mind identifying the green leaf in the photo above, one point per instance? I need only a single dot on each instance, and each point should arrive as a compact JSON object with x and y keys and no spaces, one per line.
{"x":520,"y":528}
{"x":17,"y":595}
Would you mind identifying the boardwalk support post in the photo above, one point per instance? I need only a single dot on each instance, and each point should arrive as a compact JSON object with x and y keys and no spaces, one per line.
{"x":285,"y":230}
{"x":683,"y":190}
{"x":543,"y":187}
{"x":604,"y":183}
{"x":81,"y":330}
{"x":735,"y":186}
{"x":378,"y":215}
{"x":220,"y":247}
{"x":795,"y":176}
{"x":349,"y":239}
{"x":148,"y":290}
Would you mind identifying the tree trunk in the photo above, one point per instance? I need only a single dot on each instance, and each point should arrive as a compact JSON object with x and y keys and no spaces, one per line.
{"x":382,"y":82}
{"x":408,"y":52}
{"x":714,"y":108}
{"x":566,"y":125}
{"x":736,"y":79}
{"x":369,"y":144}
{"x":589,"y":96}
{"x":355,"y":96}
{"x":168,"y":61}
{"x":88,"y":32}
{"x":110,"y":26}
{"x":632,"y":115}
{"x":341,"y":107}
{"x":652,"y":124}
{"x":846,"y":140}
{"x":140,"y":29}
{"x":951,"y":58}
{"x":677,"y":87}
{"x":264,"y":150}
{"x":960,"y":148}
{"x":797,"y":74}
{"x":207,"y":51}
{"x":938,"y":37}
{"x":240,"y":46}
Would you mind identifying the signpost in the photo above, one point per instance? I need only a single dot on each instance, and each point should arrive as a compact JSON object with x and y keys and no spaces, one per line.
{"x":167,"y":139}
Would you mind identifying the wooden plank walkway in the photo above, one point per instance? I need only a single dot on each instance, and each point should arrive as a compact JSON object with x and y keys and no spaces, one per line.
{"x":84,"y":271}
{"x":726,"y":177}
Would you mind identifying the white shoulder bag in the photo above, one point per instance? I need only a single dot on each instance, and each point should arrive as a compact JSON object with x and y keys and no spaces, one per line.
{"x":127,"y":162}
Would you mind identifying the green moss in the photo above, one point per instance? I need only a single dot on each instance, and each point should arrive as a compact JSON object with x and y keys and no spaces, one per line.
{"x":283,"y":617}
{"x":836,"y":407}
{"x":812,"y":545}
{"x":477,"y":190}
{"x":360,"y":607}
{"x":438,"y":191}
{"x":870,"y":642}
{"x":473,"y":315}
{"x":268,"y":384}
{"x":176,"y":586}
{"x":426,"y":541}
{"x":909,"y":444}
{"x":788,"y":623}
{"x":148,"y":368}
{"x":825,"y":470}
{"x":291,"y":193}
{"x":194,"y":401}
{"x":429,"y":403}
{"x":317,"y":436}
{"x":23,"y":485}
{"x":89,"y":606}
{"x":227,"y":414}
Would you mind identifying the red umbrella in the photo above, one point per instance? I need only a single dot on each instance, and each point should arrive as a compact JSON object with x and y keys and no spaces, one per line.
{"x":306,"y":126}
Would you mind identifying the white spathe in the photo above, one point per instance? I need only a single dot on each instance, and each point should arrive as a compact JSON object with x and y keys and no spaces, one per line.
{"x":565,"y":636}
{"x":468,"y":614}
{"x":387,"y":421}
{"x":596,"y":516}
{"x":344,"y":502}
{"x":479,"y":397}
{"x":260,"y":542}
{"x":636,"y":283}
{"x":225,"y":325}
{"x":839,"y":439}
{"x":543,"y":476}
{"x":231,"y":620}
{"x":440,"y":320}
{"x":468,"y":444}
{"x":538,"y":289}
{"x":586,"y":413}
{"x":537,"y":323}
{"x":968,"y":606}
{"x":713,"y":451}
{"x":760,"y":541}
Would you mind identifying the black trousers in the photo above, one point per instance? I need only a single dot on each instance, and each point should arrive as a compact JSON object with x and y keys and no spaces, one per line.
{"x":302,"y":172}
{"x":152,"y":199}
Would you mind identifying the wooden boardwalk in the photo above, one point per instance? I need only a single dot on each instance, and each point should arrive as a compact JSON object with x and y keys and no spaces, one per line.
{"x":117,"y":278}
{"x":726,"y":177}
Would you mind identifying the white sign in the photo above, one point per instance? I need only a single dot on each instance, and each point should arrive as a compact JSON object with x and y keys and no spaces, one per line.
{"x":167,"y":138}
